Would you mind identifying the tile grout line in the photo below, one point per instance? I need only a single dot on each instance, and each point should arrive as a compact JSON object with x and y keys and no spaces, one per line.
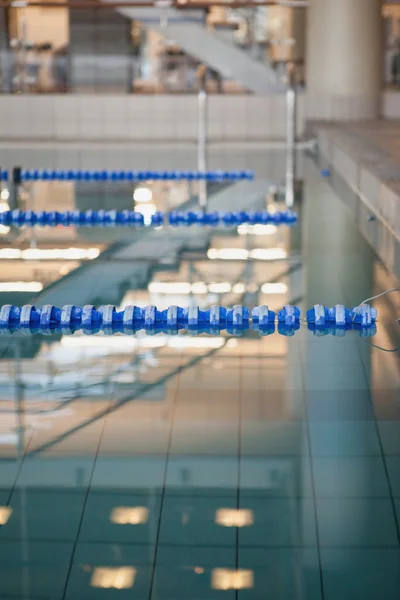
{"x":383,"y":456}
{"x":167,"y":455}
{"x":239,"y":451}
{"x":314,"y":496}
{"x":85,"y":503}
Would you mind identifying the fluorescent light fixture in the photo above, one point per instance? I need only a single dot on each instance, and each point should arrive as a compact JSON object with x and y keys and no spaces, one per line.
{"x":142,"y":194}
{"x":219,"y":288}
{"x":231,"y":579}
{"x":4,"y":229}
{"x":21,"y":286}
{"x":123,"y":345}
{"x":228,"y":253}
{"x":166,"y":287}
{"x":118,"y":578}
{"x":49,"y":253}
{"x":258,"y":229}
{"x":199,"y":287}
{"x":147,"y":210}
{"x":239,"y":288}
{"x":232,"y":517}
{"x":181,"y":341}
{"x":268,"y":253}
{"x":129,"y":515}
{"x":243,"y":254}
{"x":5,"y":514}
{"x":274,"y":288}
{"x":119,"y":343}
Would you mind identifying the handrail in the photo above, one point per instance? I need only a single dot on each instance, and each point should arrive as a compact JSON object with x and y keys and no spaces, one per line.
{"x":177,"y":4}
{"x":291,"y":129}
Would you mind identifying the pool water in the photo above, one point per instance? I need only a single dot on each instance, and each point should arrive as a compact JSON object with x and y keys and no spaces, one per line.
{"x":201,"y":467}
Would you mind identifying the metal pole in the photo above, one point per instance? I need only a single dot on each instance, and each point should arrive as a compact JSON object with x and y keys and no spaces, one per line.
{"x":202,"y":134}
{"x":291,"y":122}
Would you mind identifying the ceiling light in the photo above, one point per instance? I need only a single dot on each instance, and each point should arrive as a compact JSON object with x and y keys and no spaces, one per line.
{"x":199,"y":287}
{"x":5,"y":514}
{"x":147,"y":210}
{"x":49,"y":253}
{"x":230,"y":579}
{"x":268,"y":253}
{"x":219,"y":288}
{"x":228,"y":253}
{"x":142,"y":194}
{"x":113,"y":577}
{"x":239,"y":288}
{"x":21,"y":286}
{"x":232,"y":517}
{"x":181,"y":341}
{"x":125,"y":515}
{"x":258,"y":229}
{"x":165,"y":287}
{"x":274,"y":288}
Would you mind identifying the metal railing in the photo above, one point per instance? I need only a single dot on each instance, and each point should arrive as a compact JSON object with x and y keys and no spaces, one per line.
{"x":291,"y":128}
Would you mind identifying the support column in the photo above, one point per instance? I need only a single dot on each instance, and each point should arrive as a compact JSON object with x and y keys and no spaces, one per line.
{"x":344,"y":59}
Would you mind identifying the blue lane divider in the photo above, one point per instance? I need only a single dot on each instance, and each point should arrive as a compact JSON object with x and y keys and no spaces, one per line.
{"x":133,"y":318}
{"x":91,"y":218}
{"x":106,"y":175}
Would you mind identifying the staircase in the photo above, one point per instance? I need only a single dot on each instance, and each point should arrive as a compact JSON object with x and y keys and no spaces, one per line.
{"x":187,"y":29}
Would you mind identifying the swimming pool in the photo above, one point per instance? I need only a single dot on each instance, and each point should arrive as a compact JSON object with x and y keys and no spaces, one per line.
{"x":156,"y":466}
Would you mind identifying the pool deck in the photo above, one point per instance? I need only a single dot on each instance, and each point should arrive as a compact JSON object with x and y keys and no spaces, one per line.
{"x":362,"y":162}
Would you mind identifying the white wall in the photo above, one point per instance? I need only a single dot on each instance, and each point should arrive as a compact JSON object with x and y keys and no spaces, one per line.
{"x":143,"y":118}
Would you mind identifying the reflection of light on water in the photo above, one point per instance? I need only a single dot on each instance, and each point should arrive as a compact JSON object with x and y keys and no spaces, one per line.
{"x":21,"y":286}
{"x":126,"y":515}
{"x":113,"y":577}
{"x":243,"y":254}
{"x":231,"y":517}
{"x":274,"y":288}
{"x":49,"y":253}
{"x":257,"y":229}
{"x":5,"y":514}
{"x":230,"y":579}
{"x":147,"y":210}
{"x":142,"y":194}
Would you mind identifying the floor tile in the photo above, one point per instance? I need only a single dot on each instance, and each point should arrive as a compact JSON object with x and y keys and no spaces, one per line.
{"x":333,"y":405}
{"x":120,"y":518}
{"x":281,"y":438}
{"x":274,"y":476}
{"x":220,"y":439}
{"x":393,"y":467}
{"x":281,"y":573}
{"x":9,"y":469}
{"x":350,"y":477}
{"x":136,"y":474}
{"x":183,"y":573}
{"x":34,"y":569}
{"x":131,"y":437}
{"x":207,"y":475}
{"x":60,"y":472}
{"x":344,"y":439}
{"x":348,"y":522}
{"x":278,"y":522}
{"x":367,"y":573}
{"x":390,"y":436}
{"x":47,"y":515}
{"x":193,"y":521}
